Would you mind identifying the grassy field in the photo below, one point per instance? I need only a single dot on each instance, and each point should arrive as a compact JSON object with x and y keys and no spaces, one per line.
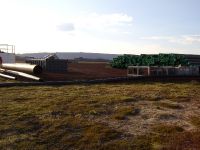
{"x":3,"y":80}
{"x":104,"y":116}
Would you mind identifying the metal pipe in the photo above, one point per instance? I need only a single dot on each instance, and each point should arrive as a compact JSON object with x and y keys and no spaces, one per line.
{"x":7,"y":76}
{"x":22,"y":74}
{"x":22,"y":67}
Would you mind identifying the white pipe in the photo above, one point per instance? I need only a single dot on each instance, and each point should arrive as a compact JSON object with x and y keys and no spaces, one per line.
{"x":7,"y":76}
{"x":22,"y":67}
{"x":22,"y":74}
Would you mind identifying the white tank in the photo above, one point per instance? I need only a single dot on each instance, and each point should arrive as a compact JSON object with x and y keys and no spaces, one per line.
{"x":7,"y":53}
{"x":7,"y":57}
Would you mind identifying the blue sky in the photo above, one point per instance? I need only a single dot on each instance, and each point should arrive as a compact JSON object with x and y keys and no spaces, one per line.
{"x":104,"y":26}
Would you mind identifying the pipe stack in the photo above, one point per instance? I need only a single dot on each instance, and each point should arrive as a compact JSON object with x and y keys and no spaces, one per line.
{"x":27,"y":68}
{"x":20,"y":69}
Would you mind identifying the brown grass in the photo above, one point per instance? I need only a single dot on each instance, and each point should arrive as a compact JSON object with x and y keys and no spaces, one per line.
{"x":195,"y":121}
{"x":122,"y":113}
{"x":169,"y":105}
{"x":104,"y":116}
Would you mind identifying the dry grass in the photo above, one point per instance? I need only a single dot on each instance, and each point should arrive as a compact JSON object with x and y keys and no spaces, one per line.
{"x":169,"y":105}
{"x":104,"y":116}
{"x":3,"y":80}
{"x":172,"y":137}
{"x":121,"y":113}
{"x":195,"y":121}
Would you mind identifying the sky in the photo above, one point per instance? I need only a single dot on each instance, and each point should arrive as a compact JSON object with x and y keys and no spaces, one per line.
{"x":101,"y":26}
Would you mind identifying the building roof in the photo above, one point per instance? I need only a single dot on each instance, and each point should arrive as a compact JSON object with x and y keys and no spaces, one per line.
{"x":50,"y":56}
{"x":47,"y":57}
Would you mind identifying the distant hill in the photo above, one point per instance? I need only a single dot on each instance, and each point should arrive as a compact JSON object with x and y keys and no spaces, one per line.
{"x":70,"y":55}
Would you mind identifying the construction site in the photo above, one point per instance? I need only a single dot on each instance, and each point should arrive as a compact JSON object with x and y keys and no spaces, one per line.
{"x":52,"y":68}
{"x":134,"y":102}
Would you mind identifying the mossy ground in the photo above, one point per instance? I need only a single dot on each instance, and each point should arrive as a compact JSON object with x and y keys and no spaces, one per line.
{"x":102,"y":116}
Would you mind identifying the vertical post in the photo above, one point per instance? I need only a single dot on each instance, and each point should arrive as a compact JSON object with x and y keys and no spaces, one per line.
{"x":7,"y":48}
{"x":148,"y":70}
{"x":14,"y":49}
{"x":167,"y":70}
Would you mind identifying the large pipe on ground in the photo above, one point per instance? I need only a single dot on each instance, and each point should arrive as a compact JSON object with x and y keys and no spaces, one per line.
{"x":7,"y":76}
{"x":22,"y":67}
{"x":22,"y":74}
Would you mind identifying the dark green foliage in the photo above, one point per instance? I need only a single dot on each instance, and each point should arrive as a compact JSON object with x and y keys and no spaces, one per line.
{"x":149,"y":60}
{"x":124,"y":61}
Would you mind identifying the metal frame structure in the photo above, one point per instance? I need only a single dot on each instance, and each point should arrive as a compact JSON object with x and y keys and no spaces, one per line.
{"x":6,"y":48}
{"x":135,"y":71}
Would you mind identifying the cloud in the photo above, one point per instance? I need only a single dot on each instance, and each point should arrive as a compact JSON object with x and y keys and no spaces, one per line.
{"x":114,"y":22}
{"x":66,"y":27}
{"x":156,"y":38}
{"x":192,"y":38}
{"x":107,"y":20}
{"x":183,"y":39}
